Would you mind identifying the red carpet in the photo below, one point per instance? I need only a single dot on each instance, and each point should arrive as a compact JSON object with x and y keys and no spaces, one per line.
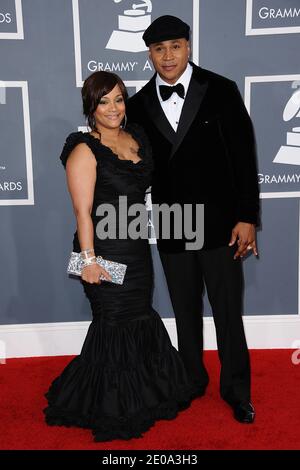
{"x":207,"y":424}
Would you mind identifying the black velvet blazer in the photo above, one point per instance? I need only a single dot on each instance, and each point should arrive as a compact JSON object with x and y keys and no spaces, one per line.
{"x":211,"y":159}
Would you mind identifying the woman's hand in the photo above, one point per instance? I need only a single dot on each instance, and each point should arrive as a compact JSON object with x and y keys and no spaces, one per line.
{"x":92,"y":273}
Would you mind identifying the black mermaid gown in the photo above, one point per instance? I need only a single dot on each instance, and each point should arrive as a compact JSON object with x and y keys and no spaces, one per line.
{"x":128,"y":374}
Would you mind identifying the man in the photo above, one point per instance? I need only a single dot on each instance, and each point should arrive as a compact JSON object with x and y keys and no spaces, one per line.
{"x":204,"y":153}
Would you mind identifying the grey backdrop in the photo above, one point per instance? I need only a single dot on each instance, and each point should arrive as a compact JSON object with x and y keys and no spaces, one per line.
{"x":36,"y":238}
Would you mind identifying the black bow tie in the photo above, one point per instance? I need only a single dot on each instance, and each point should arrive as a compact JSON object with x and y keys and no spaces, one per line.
{"x":167,"y":91}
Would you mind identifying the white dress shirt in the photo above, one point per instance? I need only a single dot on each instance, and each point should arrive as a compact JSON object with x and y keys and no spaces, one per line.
{"x":173,"y":106}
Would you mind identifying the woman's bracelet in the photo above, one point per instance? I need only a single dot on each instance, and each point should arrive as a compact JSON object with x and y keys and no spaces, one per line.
{"x":89,"y":261}
{"x":84,"y":253}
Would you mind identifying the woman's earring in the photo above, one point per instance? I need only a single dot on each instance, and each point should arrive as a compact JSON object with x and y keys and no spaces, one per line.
{"x":123,"y":125}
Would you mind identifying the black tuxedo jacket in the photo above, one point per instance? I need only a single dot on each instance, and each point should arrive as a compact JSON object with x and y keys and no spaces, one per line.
{"x":211,"y":159}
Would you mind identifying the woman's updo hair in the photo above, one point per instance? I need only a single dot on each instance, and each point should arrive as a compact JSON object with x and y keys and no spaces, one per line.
{"x":95,"y":86}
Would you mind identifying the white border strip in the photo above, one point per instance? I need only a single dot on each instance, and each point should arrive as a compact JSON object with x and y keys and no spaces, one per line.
{"x":196,"y":32}
{"x":138,"y":84}
{"x":19,"y":21}
{"x":60,"y":339}
{"x":263,"y":31}
{"x":28,"y":148}
{"x":247,"y":98}
{"x":77,"y":44}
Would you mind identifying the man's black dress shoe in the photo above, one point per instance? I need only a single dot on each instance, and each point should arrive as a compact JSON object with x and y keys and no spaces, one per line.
{"x":243,"y":412}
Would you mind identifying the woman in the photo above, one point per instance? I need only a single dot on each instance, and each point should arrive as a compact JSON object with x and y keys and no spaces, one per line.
{"x":128,"y":374}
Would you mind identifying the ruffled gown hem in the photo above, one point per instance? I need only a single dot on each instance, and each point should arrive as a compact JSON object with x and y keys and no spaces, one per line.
{"x":108,"y":428}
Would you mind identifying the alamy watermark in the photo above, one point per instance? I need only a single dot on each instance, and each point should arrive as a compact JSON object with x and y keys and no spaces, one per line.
{"x":176,"y":222}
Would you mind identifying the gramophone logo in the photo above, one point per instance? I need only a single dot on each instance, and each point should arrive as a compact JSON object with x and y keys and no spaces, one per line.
{"x":290,"y":153}
{"x":131,"y":26}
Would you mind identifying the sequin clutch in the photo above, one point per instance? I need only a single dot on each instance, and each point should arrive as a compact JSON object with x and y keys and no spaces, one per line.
{"x":116,"y":270}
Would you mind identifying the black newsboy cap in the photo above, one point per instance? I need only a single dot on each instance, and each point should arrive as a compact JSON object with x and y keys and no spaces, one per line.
{"x":165,"y":28}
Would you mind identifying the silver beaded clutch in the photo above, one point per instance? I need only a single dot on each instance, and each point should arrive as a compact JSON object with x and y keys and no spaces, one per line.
{"x":116,"y":270}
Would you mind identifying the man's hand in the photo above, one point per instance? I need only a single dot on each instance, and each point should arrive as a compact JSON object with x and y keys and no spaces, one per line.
{"x":244,"y":234}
